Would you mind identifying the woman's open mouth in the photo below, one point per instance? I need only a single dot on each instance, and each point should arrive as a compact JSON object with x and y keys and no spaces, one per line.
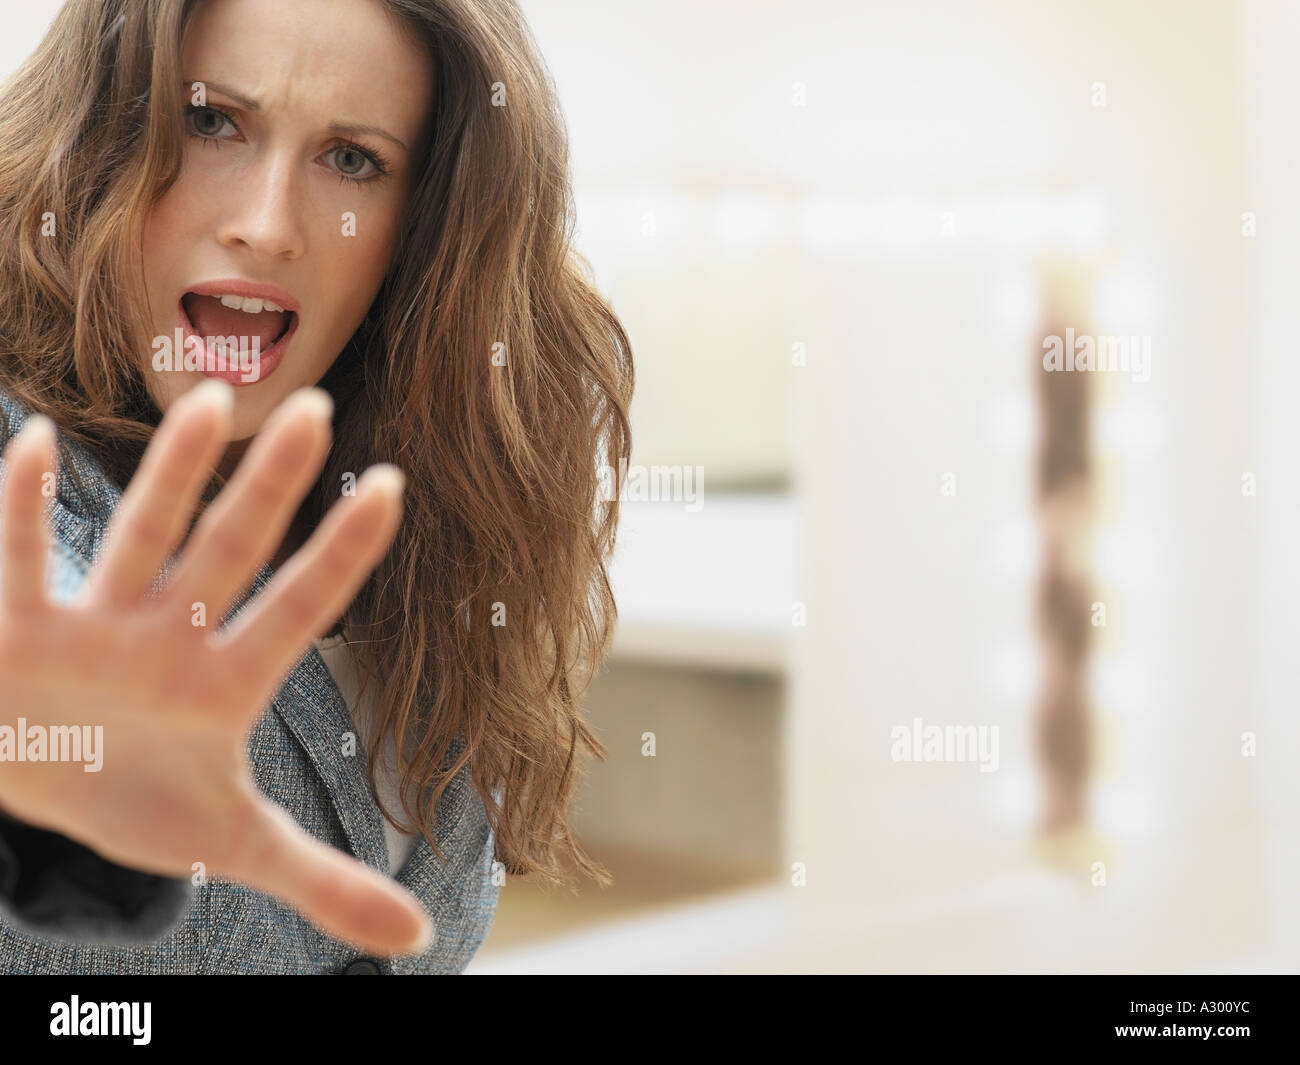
{"x":243,"y":338}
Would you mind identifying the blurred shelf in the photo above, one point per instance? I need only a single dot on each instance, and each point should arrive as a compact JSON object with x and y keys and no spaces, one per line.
{"x":734,"y":649}
{"x":714,"y":587}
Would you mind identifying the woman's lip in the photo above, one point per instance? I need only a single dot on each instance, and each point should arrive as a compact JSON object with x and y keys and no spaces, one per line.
{"x":267,"y":360}
{"x":250,"y":290}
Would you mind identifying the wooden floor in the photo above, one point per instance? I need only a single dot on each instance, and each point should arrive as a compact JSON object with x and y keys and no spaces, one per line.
{"x":530,"y":911}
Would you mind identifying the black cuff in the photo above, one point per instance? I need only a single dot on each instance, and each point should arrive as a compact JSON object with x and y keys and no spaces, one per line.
{"x":55,"y":886}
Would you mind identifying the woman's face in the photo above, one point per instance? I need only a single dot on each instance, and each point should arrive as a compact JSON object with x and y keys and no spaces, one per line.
{"x":296,"y":108}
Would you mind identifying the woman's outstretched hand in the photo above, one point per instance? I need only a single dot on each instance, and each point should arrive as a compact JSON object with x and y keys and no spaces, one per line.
{"x":176,"y":695}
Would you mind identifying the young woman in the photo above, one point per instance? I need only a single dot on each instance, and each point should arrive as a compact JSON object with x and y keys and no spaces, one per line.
{"x":414,"y":392}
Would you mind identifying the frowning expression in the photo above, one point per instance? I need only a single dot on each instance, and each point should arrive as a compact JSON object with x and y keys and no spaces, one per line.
{"x":304,"y":119}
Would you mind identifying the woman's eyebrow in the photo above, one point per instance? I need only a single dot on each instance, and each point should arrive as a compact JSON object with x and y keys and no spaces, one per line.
{"x":349,"y":129}
{"x":346,"y":129}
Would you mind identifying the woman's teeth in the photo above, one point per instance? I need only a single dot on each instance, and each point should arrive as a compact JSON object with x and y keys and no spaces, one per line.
{"x":248,"y":305}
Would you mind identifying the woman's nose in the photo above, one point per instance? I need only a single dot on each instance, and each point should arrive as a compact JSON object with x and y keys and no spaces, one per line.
{"x":262,"y":211}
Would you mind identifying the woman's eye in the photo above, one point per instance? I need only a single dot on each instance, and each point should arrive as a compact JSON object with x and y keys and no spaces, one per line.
{"x":350,"y":162}
{"x":353,"y":163}
{"x":205,"y":122}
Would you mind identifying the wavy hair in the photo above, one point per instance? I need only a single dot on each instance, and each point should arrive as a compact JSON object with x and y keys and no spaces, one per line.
{"x":488,"y":368}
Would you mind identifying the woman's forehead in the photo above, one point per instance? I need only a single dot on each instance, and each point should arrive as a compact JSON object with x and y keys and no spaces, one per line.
{"x":345,"y":61}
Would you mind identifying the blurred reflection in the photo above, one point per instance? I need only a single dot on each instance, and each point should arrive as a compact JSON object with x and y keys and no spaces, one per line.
{"x":1064,"y":495}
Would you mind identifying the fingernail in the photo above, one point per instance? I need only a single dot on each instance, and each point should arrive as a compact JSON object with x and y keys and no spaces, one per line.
{"x":425,"y":939}
{"x":216,"y":394}
{"x":386,"y":477}
{"x":39,"y":426}
{"x":316,"y":400}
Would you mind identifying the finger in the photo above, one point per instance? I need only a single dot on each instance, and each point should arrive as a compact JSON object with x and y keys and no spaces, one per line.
{"x":154,"y":514}
{"x":245,"y":524}
{"x":316,"y":585}
{"x":24,"y":538}
{"x":343,"y":897}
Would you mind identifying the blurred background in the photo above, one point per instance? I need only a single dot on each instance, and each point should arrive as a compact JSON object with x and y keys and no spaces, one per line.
{"x":859,"y":508}
{"x":838,"y":234}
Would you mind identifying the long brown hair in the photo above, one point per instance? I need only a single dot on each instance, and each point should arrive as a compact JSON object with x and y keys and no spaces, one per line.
{"x":488,"y":368}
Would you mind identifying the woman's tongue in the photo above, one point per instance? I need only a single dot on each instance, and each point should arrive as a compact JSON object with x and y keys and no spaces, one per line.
{"x":211,"y":318}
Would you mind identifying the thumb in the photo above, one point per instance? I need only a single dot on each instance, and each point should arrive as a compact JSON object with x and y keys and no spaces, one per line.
{"x":343,"y":897}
